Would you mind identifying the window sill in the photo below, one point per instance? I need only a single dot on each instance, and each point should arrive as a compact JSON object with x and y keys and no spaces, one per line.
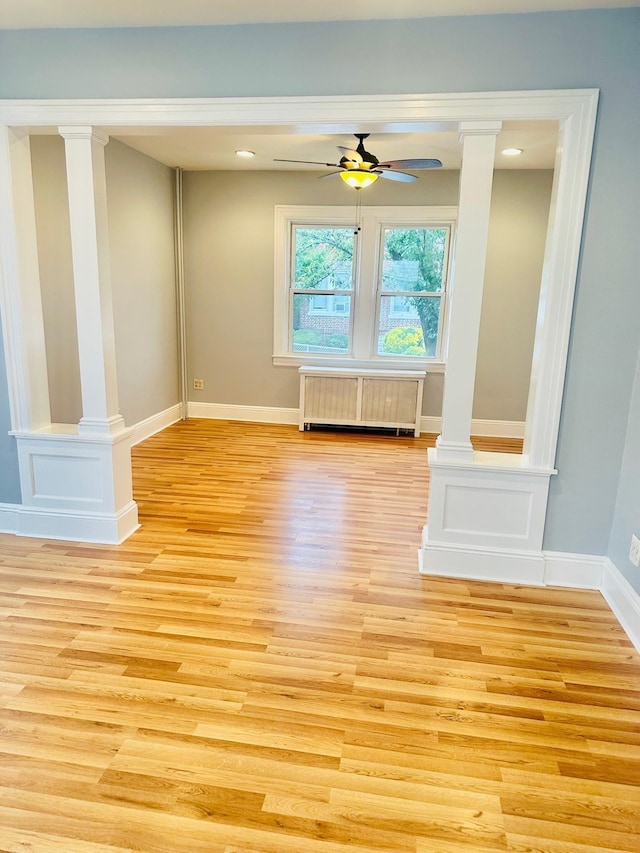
{"x":430,"y":365}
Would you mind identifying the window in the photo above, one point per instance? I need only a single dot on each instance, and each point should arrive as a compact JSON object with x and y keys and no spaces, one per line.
{"x":410,"y":290}
{"x":321,"y":289}
{"x":371,"y":294}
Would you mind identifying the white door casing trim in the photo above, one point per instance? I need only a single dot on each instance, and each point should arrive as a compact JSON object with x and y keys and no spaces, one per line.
{"x":574,"y":110}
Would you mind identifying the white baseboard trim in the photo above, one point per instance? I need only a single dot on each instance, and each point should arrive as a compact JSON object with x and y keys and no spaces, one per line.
{"x":9,"y":517}
{"x":483,"y":564}
{"x":69,"y":525}
{"x":430,"y":424}
{"x":150,"y":426}
{"x":560,"y":569}
{"x":491,"y":429}
{"x":623,"y":600}
{"x":275,"y":415}
{"x":580,"y":571}
{"x":498,"y":429}
{"x":256,"y":414}
{"x":549,"y":568}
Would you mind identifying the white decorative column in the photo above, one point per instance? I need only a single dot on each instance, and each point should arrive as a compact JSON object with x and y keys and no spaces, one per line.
{"x":467,"y":282}
{"x":486,"y":510}
{"x":76,"y":478}
{"x":87,"y":188}
{"x":30,"y":400}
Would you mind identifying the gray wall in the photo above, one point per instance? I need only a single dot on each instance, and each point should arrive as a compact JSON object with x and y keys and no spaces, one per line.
{"x":490,"y":53}
{"x":140,"y":200}
{"x":140,"y":204}
{"x":229,"y":250}
{"x":517,"y":234}
{"x":56,"y":277}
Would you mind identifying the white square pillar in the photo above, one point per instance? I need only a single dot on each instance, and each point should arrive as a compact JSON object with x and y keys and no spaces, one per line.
{"x":467,"y":281}
{"x":87,"y":188}
{"x":24,"y":327}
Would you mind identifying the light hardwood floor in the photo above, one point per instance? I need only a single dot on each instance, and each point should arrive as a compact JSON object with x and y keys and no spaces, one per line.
{"x":261,"y":669}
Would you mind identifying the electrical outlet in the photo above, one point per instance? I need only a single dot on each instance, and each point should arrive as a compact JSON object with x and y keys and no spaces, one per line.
{"x":198,"y":384}
{"x":634,"y":553}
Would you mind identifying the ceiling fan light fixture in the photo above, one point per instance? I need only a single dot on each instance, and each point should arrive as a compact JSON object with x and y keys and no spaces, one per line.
{"x":358,"y":179}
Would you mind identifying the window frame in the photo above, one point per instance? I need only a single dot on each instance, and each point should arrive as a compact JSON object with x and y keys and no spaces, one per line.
{"x":367,"y":271}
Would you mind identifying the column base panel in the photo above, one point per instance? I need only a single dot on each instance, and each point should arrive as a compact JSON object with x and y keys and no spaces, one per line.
{"x":76,"y":526}
{"x":482,"y":564}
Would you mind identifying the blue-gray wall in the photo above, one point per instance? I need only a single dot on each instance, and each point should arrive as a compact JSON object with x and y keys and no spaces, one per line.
{"x":598,"y":49}
{"x":627,"y":513}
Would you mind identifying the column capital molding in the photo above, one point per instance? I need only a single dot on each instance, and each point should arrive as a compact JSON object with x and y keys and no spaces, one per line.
{"x":479,"y":128}
{"x":83,"y":132}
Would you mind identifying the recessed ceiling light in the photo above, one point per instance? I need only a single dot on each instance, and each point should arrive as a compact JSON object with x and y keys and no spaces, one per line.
{"x":512,"y":152}
{"x":244,"y":153}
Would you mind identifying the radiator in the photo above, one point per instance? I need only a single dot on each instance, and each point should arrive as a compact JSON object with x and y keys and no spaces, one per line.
{"x":347,"y":396}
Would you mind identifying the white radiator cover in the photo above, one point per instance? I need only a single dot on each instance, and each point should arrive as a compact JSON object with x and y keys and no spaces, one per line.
{"x":349,"y":396}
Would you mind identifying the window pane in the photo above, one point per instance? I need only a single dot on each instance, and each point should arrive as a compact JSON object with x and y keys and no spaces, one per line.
{"x":414,"y":259}
{"x":414,"y":332}
{"x":323,"y":258}
{"x":324,"y":305}
{"x":321,"y":330}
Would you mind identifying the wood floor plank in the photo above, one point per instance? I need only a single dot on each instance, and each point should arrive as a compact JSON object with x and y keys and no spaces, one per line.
{"x":260,"y":668}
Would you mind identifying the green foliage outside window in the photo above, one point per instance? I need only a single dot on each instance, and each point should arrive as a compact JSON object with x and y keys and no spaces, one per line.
{"x":310,"y":337}
{"x":323,"y":258}
{"x":337,"y":341}
{"x":414,"y":261}
{"x":405,"y":340}
{"x":427,"y":248}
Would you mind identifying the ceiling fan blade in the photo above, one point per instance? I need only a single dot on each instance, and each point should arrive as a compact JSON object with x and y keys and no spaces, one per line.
{"x":332,"y":174}
{"x":396,"y":176}
{"x":410,"y":164}
{"x":351,"y":154}
{"x":312,"y":162}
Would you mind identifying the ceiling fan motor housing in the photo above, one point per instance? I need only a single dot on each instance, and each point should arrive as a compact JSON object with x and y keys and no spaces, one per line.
{"x":368,"y":162}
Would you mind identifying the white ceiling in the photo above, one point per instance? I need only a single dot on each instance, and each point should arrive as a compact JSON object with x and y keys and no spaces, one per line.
{"x":34,"y":14}
{"x":196,"y":148}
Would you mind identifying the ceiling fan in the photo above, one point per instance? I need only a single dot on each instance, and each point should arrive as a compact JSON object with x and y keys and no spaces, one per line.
{"x":359,"y":168}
